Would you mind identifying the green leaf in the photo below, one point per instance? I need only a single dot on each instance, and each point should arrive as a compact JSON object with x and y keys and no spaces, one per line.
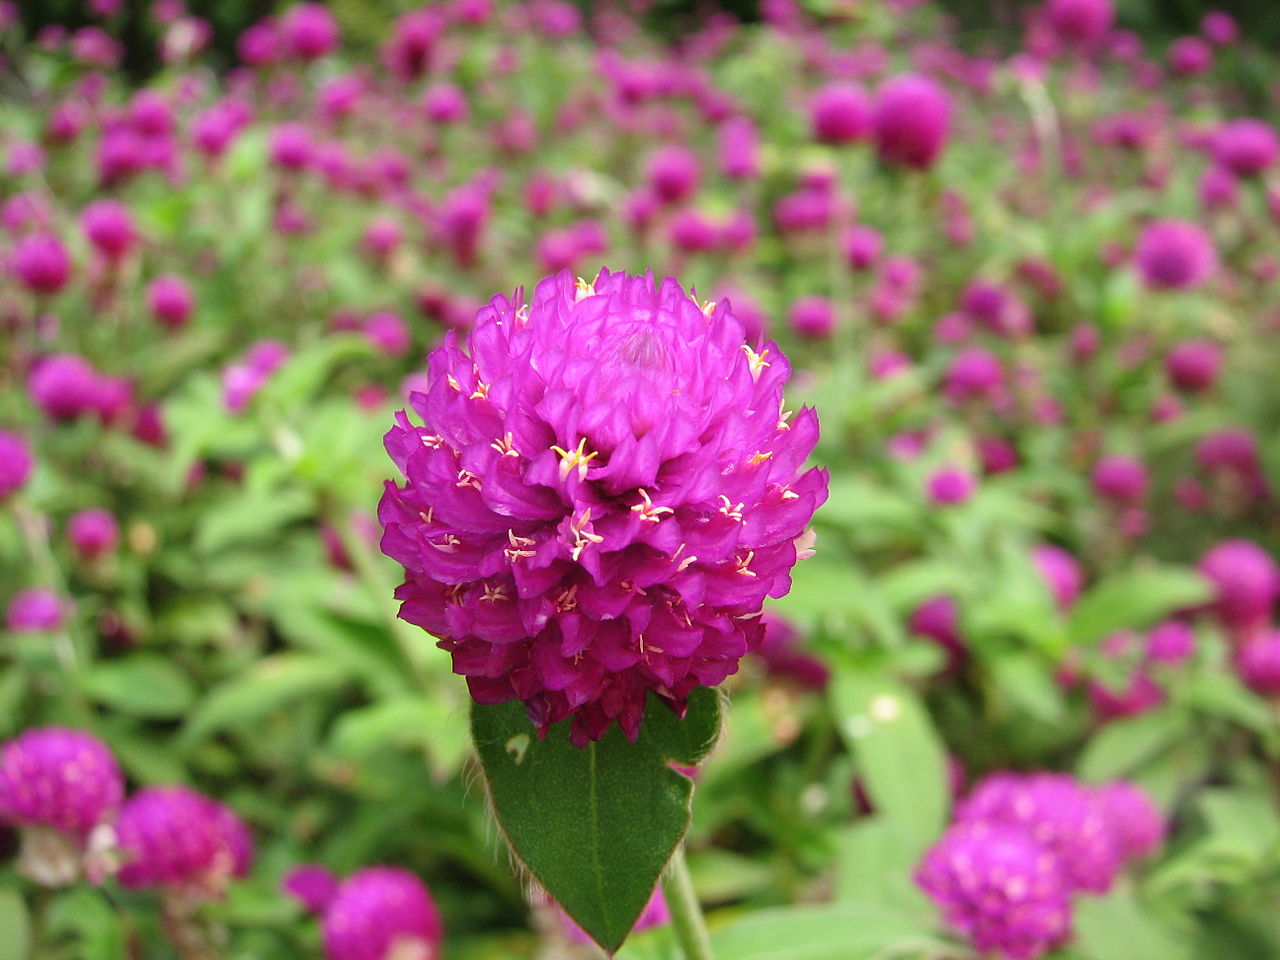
{"x":1118,"y":927}
{"x":15,"y":926}
{"x":142,"y":685}
{"x":1135,"y":600}
{"x":268,"y":685}
{"x":1024,"y":680}
{"x":847,"y":931}
{"x":899,"y":753}
{"x":874,"y":863}
{"x":595,"y":825}
{"x":1124,"y":745}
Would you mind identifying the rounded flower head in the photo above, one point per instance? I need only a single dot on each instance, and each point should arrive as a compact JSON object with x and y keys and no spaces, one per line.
{"x":1133,"y":819}
{"x":175,"y":837}
{"x":64,"y":386}
{"x":1000,"y":887}
{"x":93,"y":532}
{"x":1061,"y":572}
{"x":1171,"y":642}
{"x":1193,"y":365}
{"x":311,"y":885}
{"x":911,"y":117}
{"x":840,"y":113}
{"x":379,"y":911}
{"x":60,"y":778}
{"x":15,"y":463}
{"x":109,"y":227}
{"x":673,"y":173}
{"x":1175,"y":255}
{"x":1246,"y":582}
{"x":813,"y":317}
{"x":950,"y":486}
{"x":1059,"y":813}
{"x":1080,"y":22}
{"x":309,"y":31}
{"x":1120,"y":479}
{"x":1246,"y":146}
{"x":41,"y":263}
{"x":604,"y":490}
{"x":1258,"y":662}
{"x":170,"y":300}
{"x":31,"y":611}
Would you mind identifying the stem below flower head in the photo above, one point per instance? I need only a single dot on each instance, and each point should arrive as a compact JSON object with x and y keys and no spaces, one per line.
{"x":686,"y":911}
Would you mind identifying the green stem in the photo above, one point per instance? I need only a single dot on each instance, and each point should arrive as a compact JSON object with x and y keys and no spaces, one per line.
{"x":686,"y":912}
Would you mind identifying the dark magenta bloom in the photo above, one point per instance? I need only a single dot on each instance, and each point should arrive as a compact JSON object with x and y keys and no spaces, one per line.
{"x":1220,"y":28}
{"x":1246,"y":146}
{"x":605,"y":488}
{"x":41,"y":263}
{"x":1246,"y":582}
{"x":1120,"y":479}
{"x":1189,"y":56}
{"x":1175,"y":255}
{"x":311,"y":885}
{"x":388,"y":333}
{"x":308,"y":31}
{"x":1080,"y":23}
{"x":34,"y":610}
{"x":177,"y":838}
{"x":1257,"y":661}
{"x":783,"y":655}
{"x":813,"y":317}
{"x":109,"y":227}
{"x":938,"y":619}
{"x":1171,"y":642}
{"x":950,"y":486}
{"x":1193,"y":365}
{"x":974,"y":374}
{"x":15,"y":463}
{"x":1139,"y":695}
{"x":999,"y":887}
{"x":64,"y":386}
{"x":93,"y":533}
{"x":739,"y":148}
{"x":1061,"y":572}
{"x":840,"y":113}
{"x":673,"y":173}
{"x":170,"y":300}
{"x":1134,"y":821}
{"x":60,"y":778}
{"x":381,"y":912}
{"x":911,"y":118}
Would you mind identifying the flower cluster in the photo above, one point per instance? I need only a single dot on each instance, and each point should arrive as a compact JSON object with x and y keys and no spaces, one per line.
{"x":605,"y":487}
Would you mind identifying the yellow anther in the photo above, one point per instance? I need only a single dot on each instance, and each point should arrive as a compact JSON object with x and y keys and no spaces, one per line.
{"x":575,"y":459}
{"x":647,"y":510}
{"x":731,"y":510}
{"x":758,"y":457}
{"x":756,"y":360}
{"x":506,"y":446}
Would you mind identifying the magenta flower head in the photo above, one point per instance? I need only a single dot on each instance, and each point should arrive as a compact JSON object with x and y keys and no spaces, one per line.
{"x":739,"y":148}
{"x":312,"y":885}
{"x":63,"y":386}
{"x":1175,"y":255}
{"x":1120,"y":479}
{"x":999,"y":887}
{"x":1193,"y":365}
{"x":1171,"y":642}
{"x":308,"y":31}
{"x":673,"y":173}
{"x":1189,"y":56}
{"x":1061,"y":572}
{"x":93,"y":533}
{"x":1057,"y":811}
{"x":840,"y":113}
{"x":938,"y":619}
{"x":604,"y":490}
{"x":950,"y":486}
{"x":41,"y":264}
{"x":60,"y":778}
{"x":388,"y":333}
{"x":1246,"y":582}
{"x":176,"y":838}
{"x":1080,"y":23}
{"x":15,"y":464}
{"x":783,"y":656}
{"x":1134,"y":821}
{"x":1258,"y":662}
{"x":1220,"y":28}
{"x":34,"y":610}
{"x":974,"y":374}
{"x":170,"y":300}
{"x":1246,"y":146}
{"x":911,"y":119}
{"x":862,"y":246}
{"x":380,"y":913}
{"x":109,"y":227}
{"x":813,"y":317}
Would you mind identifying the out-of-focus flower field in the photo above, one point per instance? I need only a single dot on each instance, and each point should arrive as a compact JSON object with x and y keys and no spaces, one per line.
{"x":1022,"y":699}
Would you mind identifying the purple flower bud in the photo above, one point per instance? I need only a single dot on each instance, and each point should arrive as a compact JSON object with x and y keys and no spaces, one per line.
{"x":974,"y":373}
{"x":912,"y":116}
{"x":445,"y":103}
{"x":1193,"y":365}
{"x":312,"y":885}
{"x":60,"y":778}
{"x":998,"y":886}
{"x":15,"y":464}
{"x":783,"y":656}
{"x":1120,"y":479}
{"x":1134,"y":821}
{"x":1139,"y":695}
{"x":1175,"y":255}
{"x":41,"y":263}
{"x":1080,"y":23}
{"x":388,"y":333}
{"x":533,"y":513}
{"x":308,"y":31}
{"x":950,"y":486}
{"x":1189,"y":56}
{"x":1246,"y":146}
{"x":170,"y":300}
{"x":1246,"y":582}
{"x":1220,"y":28}
{"x":93,"y":533}
{"x":379,"y":911}
{"x":840,"y":113}
{"x":34,"y":610}
{"x":694,"y":232}
{"x":1061,"y":572}
{"x":175,"y":837}
{"x":291,"y":147}
{"x":862,"y":246}
{"x":109,"y":227}
{"x":63,"y":386}
{"x":673,"y":173}
{"x":1257,"y":661}
{"x":938,"y":619}
{"x":813,"y":317}
{"x":1058,"y":812}
{"x":1171,"y":642}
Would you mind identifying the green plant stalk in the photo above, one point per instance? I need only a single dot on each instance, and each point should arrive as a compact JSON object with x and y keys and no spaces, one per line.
{"x":686,"y":912}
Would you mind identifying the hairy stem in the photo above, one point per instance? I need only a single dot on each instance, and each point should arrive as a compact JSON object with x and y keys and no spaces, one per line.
{"x":686,"y":911}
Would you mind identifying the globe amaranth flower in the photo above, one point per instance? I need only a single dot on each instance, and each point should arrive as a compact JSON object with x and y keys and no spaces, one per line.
{"x":379,"y":913}
{"x":312,"y":885}
{"x":1257,"y":661}
{"x":15,"y":463}
{"x":33,"y":610}
{"x":93,"y":532}
{"x":604,"y":490}
{"x":1246,"y":582}
{"x":1175,"y":255}
{"x":181,"y":840}
{"x":1000,"y":887}
{"x":59,"y":786}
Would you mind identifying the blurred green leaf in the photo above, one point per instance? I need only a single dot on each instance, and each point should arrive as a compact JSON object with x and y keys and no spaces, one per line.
{"x":846,"y":931}
{"x":1123,"y":745}
{"x":1118,"y":927}
{"x":1134,"y":600}
{"x":15,"y":926}
{"x":143,"y":685}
